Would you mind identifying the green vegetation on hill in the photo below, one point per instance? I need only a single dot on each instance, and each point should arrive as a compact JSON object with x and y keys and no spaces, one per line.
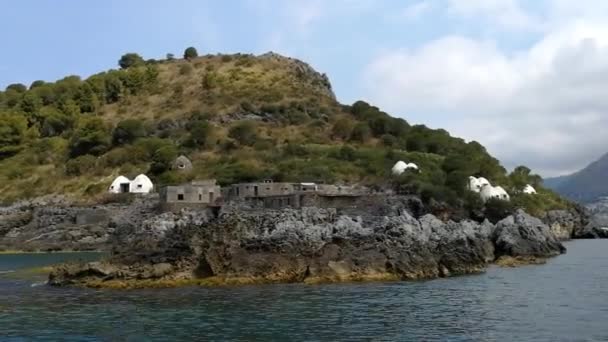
{"x":239,"y":118}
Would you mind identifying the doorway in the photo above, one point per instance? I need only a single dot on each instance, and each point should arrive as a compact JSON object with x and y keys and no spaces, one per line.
{"x":124,"y":187}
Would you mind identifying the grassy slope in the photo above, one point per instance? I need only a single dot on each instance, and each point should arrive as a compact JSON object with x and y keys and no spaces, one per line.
{"x":295,"y":141}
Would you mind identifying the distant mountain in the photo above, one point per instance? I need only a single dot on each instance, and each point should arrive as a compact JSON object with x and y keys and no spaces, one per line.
{"x":585,"y":186}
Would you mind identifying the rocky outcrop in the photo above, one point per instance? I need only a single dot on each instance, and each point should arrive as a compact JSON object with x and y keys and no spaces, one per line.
{"x":565,"y":224}
{"x":597,"y":226}
{"x":49,"y":224}
{"x":307,"y":245}
{"x":522,"y":235}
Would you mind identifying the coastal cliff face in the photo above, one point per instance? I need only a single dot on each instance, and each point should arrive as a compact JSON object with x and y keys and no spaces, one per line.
{"x":53,"y":224}
{"x":307,"y":245}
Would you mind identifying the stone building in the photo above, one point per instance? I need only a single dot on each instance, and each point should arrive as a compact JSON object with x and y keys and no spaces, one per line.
{"x":198,"y":194}
{"x":265,"y":188}
{"x":182,"y":164}
{"x":271,"y":195}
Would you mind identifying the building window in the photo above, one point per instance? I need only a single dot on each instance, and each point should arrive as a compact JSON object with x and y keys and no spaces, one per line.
{"x":180,"y":197}
{"x":139,"y":186}
{"x":200,"y":197}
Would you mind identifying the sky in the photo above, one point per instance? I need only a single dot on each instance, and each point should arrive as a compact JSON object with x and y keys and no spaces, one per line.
{"x":526,"y":78}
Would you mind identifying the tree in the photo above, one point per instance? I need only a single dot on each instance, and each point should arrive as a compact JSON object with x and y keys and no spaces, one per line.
{"x":127,"y":131}
{"x":55,"y":122}
{"x":31,"y":103}
{"x":163,"y":158}
{"x":92,"y":136}
{"x":190,"y":53}
{"x":37,"y":84}
{"x":130,"y":60}
{"x":18,"y":87}
{"x":114,"y":88}
{"x":13,"y":128}
{"x":170,"y":56}
{"x":200,"y":134}
{"x":244,"y":132}
{"x":88,"y":99}
{"x":361,"y":132}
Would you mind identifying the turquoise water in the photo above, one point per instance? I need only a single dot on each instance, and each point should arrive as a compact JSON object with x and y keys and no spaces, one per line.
{"x":565,"y":300}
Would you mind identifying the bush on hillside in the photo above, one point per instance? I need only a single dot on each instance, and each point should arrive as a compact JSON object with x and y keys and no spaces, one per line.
{"x":129,"y":60}
{"x":92,"y":136}
{"x":80,"y":165}
{"x":244,"y":132}
{"x":190,"y":53}
{"x":127,"y":131}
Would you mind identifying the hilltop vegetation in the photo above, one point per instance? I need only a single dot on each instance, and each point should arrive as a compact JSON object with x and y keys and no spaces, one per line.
{"x":239,"y":118}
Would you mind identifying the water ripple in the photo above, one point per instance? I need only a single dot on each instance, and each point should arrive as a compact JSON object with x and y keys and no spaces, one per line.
{"x":564,"y":300}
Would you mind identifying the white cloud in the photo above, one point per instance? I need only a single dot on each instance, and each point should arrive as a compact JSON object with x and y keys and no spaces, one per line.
{"x":503,"y":13}
{"x":541,"y":106}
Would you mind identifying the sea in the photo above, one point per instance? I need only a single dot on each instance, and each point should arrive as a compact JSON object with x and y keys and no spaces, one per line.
{"x":563,"y":300}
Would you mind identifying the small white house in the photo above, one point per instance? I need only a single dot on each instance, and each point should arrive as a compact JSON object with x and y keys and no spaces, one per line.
{"x":119,"y":185}
{"x":529,"y":190}
{"x":141,"y":185}
{"x":483,"y":182}
{"x":401,"y":166}
{"x":488,"y":192}
{"x":474,"y":185}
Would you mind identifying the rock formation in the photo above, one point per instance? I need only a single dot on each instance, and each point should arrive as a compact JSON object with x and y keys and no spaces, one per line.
{"x":307,"y":245}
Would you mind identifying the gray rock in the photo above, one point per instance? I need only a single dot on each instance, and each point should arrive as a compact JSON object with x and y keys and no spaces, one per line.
{"x":522,"y":235}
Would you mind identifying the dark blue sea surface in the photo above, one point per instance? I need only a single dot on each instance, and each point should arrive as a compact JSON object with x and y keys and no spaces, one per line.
{"x":564,"y":300}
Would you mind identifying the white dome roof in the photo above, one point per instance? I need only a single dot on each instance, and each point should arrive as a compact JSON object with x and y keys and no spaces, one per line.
{"x":399,"y":168}
{"x":142,"y":184}
{"x":482,"y":181}
{"x":115,"y":186}
{"x":488,"y":192}
{"x":529,"y":189}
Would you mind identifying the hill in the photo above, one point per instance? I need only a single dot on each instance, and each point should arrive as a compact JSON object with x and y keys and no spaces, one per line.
{"x":584,"y":186}
{"x":238,"y":118}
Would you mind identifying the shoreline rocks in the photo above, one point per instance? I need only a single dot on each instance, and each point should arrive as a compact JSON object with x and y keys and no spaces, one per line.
{"x":310,"y":245}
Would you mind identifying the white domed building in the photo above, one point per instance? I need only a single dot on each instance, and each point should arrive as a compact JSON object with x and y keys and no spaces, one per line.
{"x":529,"y":189}
{"x":488,"y":192}
{"x":401,"y":166}
{"x":142,"y":185}
{"x":121,"y":184}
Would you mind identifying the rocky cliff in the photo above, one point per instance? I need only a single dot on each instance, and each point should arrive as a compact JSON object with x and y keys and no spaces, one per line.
{"x":53,"y":224}
{"x":307,"y":245}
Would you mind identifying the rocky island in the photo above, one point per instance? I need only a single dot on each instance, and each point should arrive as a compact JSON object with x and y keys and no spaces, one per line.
{"x":242,"y":118}
{"x":239,"y":245}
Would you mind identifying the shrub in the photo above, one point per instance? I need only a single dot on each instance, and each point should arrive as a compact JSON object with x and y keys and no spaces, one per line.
{"x":127,"y":131}
{"x":200,"y":134}
{"x":497,"y":209}
{"x":342,"y":129}
{"x":361,"y":132}
{"x":389,"y":140}
{"x":163,"y":158}
{"x":244,"y":132}
{"x":346,"y":153}
{"x":80,"y":166}
{"x":185,"y":69}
